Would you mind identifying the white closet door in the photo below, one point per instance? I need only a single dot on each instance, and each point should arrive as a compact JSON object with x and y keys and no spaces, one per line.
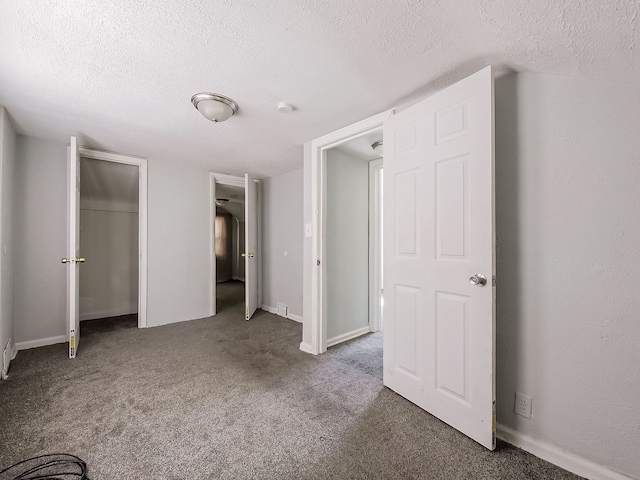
{"x":439,"y":339}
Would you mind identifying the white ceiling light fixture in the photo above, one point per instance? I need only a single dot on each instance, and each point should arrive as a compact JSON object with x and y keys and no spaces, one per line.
{"x":213,"y":106}
{"x":221,"y":201}
{"x":378,"y":147}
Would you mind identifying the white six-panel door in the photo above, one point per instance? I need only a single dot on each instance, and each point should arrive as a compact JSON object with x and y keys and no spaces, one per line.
{"x":439,"y":348}
{"x":251,"y":245}
{"x":73,"y":243}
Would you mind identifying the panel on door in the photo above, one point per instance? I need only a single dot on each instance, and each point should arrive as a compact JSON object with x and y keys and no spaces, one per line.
{"x":251,"y":246}
{"x":73,"y":260}
{"x":439,"y":342}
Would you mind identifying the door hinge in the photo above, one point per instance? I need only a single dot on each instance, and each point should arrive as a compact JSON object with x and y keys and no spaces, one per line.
{"x":318,"y":262}
{"x":493,"y":281}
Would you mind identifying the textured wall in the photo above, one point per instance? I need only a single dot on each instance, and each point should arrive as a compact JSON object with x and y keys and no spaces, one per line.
{"x":346,"y":244}
{"x":282,"y":231}
{"x":109,"y":277}
{"x":41,"y":239}
{"x":178,"y":239}
{"x":567,"y":197}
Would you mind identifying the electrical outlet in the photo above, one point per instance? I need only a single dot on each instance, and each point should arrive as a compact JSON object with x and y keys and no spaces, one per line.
{"x":283,"y":309}
{"x":523,"y":405}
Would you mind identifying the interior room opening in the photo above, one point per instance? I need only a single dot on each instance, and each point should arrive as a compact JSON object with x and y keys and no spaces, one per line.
{"x":353,"y":239}
{"x":109,"y":229}
{"x":229,"y":246}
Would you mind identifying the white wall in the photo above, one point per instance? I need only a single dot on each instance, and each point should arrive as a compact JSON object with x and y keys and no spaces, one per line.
{"x":567,"y":199}
{"x":7,"y":181}
{"x":178,"y":238}
{"x":109,"y":277}
{"x":41,"y":239}
{"x":178,"y":241}
{"x":307,"y":250}
{"x":282,"y":234}
{"x":346,"y":244}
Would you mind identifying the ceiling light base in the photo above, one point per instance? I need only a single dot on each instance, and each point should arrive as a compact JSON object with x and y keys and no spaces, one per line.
{"x":213,"y":106}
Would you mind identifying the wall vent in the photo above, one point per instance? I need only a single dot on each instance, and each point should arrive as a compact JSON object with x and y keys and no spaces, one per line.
{"x":283,"y":309}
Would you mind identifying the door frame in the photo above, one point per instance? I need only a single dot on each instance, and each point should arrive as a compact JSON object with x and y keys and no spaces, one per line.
{"x":222,"y":179}
{"x":319,"y":147}
{"x":141,"y":163}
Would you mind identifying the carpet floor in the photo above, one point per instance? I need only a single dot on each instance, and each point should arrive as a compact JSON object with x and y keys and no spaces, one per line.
{"x":223,"y":398}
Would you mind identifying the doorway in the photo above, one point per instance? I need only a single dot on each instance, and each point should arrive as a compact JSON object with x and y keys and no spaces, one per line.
{"x":229,"y":245}
{"x":118,"y":184}
{"x":353,"y":231}
{"x":235,"y":201}
{"x":109,"y":218}
{"x":439,"y":342}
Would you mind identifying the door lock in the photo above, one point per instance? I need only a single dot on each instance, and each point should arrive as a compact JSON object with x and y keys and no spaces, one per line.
{"x":478,"y":280}
{"x":73,"y":260}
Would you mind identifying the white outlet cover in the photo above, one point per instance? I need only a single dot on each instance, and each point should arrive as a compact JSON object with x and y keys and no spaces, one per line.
{"x":522,"y":405}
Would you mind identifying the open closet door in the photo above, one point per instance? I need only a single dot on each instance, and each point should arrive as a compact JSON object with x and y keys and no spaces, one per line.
{"x":73,"y":260}
{"x":439,"y":338}
{"x":251,"y":245}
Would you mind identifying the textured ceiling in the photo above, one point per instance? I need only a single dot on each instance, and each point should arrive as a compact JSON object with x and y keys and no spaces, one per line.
{"x":120,"y":74}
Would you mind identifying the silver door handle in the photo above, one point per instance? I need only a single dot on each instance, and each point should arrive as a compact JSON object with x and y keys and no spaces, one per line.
{"x":250,"y":255}
{"x":478,"y":280}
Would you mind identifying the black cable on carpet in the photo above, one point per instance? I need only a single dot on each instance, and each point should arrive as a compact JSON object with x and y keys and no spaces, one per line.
{"x":53,"y":466}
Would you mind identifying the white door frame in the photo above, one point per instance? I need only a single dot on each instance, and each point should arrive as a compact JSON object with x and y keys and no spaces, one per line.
{"x":141,"y":163}
{"x":375,"y":244}
{"x":319,"y":149}
{"x":222,"y":179}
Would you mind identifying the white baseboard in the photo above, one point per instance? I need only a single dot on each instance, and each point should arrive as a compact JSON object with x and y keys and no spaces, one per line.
{"x":238,"y":279}
{"x":42,"y":342}
{"x":556,"y":455}
{"x":14,"y":350}
{"x":290,"y":316}
{"x":269,"y":309}
{"x":307,"y":348}
{"x":347,"y":336}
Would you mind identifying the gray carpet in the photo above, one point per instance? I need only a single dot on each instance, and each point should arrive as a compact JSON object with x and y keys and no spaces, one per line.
{"x":222,"y":398}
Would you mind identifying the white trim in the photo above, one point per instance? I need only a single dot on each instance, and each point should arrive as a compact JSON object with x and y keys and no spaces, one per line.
{"x":14,"y":349}
{"x":319,"y":146}
{"x":141,"y":163}
{"x":375,"y":244}
{"x":222,"y":179}
{"x":307,"y":348}
{"x":41,"y":342}
{"x":290,"y":316}
{"x":347,"y":336}
{"x":558,"y":456}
